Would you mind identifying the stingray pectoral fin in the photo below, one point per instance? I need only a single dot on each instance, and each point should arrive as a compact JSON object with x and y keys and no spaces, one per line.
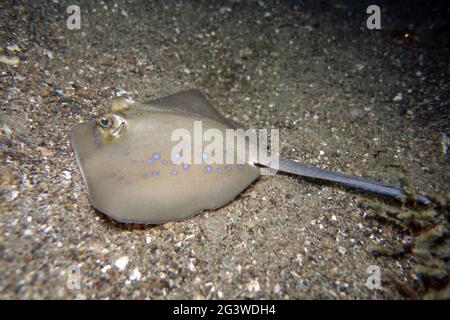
{"x":83,"y":143}
{"x":91,"y":160}
{"x":95,"y":167}
{"x":98,"y":166}
{"x":193,"y":102}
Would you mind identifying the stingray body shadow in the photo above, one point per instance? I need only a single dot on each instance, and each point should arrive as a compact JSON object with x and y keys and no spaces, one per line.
{"x":125,"y":161}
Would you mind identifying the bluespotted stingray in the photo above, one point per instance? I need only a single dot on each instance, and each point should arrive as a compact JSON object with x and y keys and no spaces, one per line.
{"x":127,"y":162}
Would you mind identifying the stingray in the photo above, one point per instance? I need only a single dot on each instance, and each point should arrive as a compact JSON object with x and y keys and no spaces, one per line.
{"x":127,"y":162}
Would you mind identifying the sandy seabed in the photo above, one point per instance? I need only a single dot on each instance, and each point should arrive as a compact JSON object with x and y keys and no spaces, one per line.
{"x":364,"y":102}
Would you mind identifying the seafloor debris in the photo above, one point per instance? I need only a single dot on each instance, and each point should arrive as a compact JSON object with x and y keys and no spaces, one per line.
{"x":430,"y":247}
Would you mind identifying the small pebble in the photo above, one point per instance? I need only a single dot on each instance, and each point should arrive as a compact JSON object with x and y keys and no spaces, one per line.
{"x":9,"y":60}
{"x":67,"y":175}
{"x":121,"y":263}
{"x":253,"y":286}
{"x":14,"y":195}
{"x":277,"y":289}
{"x":135,"y":274}
{"x":28,"y":233}
{"x":398,"y":97}
{"x":48,"y":53}
{"x":106,"y":268}
{"x":13,"y":48}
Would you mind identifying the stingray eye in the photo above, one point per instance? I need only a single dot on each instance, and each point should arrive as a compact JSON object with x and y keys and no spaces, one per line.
{"x":105,"y":122}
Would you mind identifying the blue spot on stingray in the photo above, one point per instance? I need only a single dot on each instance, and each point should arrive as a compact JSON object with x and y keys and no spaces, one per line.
{"x":164,"y":162}
{"x":173,"y":163}
{"x":240,"y":166}
{"x":186,"y":166}
{"x":156,"y":155}
{"x":177,"y":156}
{"x":145,"y":175}
{"x":208,"y":168}
{"x":204,"y":156}
{"x":149,"y":161}
{"x":154,"y":173}
{"x":228,"y":167}
{"x":173,"y":172}
{"x":219,"y":170}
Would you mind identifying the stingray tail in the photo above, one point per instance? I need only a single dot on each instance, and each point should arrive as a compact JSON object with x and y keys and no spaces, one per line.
{"x":300,"y":169}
